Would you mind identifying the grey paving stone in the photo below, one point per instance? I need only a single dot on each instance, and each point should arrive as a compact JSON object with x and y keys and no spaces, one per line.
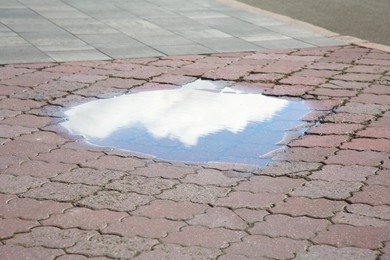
{"x":130,"y":52}
{"x":77,"y":55}
{"x":322,"y":41}
{"x":13,"y":41}
{"x":183,"y":49}
{"x":283,"y":44}
{"x":231,"y":44}
{"x":22,"y":54}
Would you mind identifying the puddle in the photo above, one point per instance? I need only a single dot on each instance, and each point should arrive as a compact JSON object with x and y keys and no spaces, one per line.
{"x":204,"y":121}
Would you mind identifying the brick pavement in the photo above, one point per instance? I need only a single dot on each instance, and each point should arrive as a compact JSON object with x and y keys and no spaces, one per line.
{"x":325,"y":196}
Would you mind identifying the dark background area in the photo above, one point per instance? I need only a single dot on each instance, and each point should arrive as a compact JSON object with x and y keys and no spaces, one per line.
{"x":365,"y":19}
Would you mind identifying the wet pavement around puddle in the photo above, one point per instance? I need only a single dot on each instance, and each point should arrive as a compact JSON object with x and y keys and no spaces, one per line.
{"x":203,"y":121}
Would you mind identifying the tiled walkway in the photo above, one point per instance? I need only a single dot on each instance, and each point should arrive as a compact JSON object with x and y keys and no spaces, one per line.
{"x":325,"y":196}
{"x":70,"y":30}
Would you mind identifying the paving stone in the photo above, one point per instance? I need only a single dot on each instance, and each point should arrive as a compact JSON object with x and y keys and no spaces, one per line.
{"x":288,"y":90}
{"x":292,"y":227}
{"x":344,"y":235}
{"x":9,"y":252}
{"x":25,"y":149}
{"x":349,"y":118}
{"x":32,"y":79}
{"x":30,"y":209}
{"x":324,"y":252}
{"x":290,"y":168}
{"x":367,"y":144}
{"x":28,"y":121}
{"x":167,"y":251}
{"x":329,"y":190}
{"x":83,"y":78}
{"x":115,"y":201}
{"x":79,"y":257}
{"x":18,"y":184}
{"x":381,"y":212}
{"x":242,"y":199}
{"x":7,"y":131}
{"x":69,"y":156}
{"x":144,"y":227}
{"x":194,"y":193}
{"x":170,"y":210}
{"x":311,"y":81}
{"x":302,"y":206}
{"x":351,"y":157}
{"x":337,"y":129}
{"x":84,"y":218}
{"x":381,"y":178}
{"x":358,"y":108}
{"x":261,"y":184}
{"x":357,"y":220}
{"x":7,"y":160}
{"x":305,"y":154}
{"x":258,"y":246}
{"x":10,"y":226}
{"x":15,"y":104}
{"x":251,"y":215}
{"x":173,"y":79}
{"x":204,"y":237}
{"x":44,"y":137}
{"x":114,"y":163}
{"x":319,"y":141}
{"x":112,"y":246}
{"x":219,"y":217}
{"x":39,"y":169}
{"x":375,"y":132}
{"x":141,"y":185}
{"x":343,"y":173}
{"x":211,"y":177}
{"x":89,"y":176}
{"x":51,"y":237}
{"x":372,"y":195}
{"x":61,"y":191}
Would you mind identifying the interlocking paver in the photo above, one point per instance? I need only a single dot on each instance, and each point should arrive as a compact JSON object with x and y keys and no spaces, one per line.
{"x":362,"y":237}
{"x":258,"y":246}
{"x":323,"y":252}
{"x":324,"y":195}
{"x":292,"y":227}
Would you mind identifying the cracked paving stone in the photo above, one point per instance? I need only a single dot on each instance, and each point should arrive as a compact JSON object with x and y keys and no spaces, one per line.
{"x":9,"y":252}
{"x":84,"y":218}
{"x":251,"y":215}
{"x":29,"y":209}
{"x":331,"y":190}
{"x":143,"y":227}
{"x":343,"y":173}
{"x":164,"y":171}
{"x":292,"y":227}
{"x":170,"y":210}
{"x":18,"y":184}
{"x":142,"y":185}
{"x":302,"y":206}
{"x":61,"y":191}
{"x":324,"y":252}
{"x":219,"y":217}
{"x":204,"y":237}
{"x":7,"y":131}
{"x":89,"y":176}
{"x":112,"y":246}
{"x":194,"y":193}
{"x":168,"y":251}
{"x":341,"y":235}
{"x":258,"y":246}
{"x":115,"y":200}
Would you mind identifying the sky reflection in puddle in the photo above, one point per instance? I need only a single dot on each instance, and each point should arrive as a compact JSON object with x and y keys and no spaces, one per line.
{"x":204,"y":121}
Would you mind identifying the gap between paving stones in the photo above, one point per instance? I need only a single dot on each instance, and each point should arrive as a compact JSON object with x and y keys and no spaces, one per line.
{"x":330,"y":182}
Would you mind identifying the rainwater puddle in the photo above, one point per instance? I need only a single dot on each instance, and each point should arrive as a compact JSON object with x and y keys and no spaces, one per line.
{"x":204,"y":121}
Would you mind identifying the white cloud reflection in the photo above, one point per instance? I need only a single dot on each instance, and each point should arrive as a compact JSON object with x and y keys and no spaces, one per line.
{"x":185,"y":114}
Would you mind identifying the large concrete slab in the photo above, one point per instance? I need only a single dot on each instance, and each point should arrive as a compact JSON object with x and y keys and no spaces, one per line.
{"x":156,"y":28}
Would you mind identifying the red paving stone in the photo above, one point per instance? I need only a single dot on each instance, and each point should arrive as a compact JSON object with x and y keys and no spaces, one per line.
{"x":325,"y":196}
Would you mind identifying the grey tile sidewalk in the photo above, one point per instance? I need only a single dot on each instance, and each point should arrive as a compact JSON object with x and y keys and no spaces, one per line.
{"x":71,"y":30}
